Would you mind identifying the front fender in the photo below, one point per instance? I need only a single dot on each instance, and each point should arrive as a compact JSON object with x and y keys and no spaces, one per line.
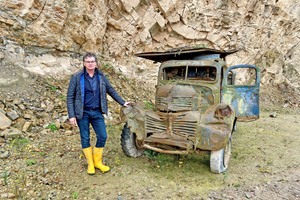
{"x":134,"y":115}
{"x":216,"y":125}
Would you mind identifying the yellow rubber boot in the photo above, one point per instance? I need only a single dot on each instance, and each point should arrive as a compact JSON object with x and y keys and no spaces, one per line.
{"x":98,"y":160}
{"x":88,"y":152}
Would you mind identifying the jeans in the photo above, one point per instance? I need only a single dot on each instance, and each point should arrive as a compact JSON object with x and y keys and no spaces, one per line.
{"x":97,"y":120}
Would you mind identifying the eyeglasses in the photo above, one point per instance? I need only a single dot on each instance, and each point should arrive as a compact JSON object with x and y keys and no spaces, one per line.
{"x":90,"y":62}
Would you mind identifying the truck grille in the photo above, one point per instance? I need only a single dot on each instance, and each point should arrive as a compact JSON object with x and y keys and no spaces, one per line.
{"x":176,"y":104}
{"x":155,"y":126}
{"x":185,"y":129}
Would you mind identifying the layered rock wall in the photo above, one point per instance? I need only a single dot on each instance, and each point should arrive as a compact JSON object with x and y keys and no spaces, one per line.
{"x":49,"y":37}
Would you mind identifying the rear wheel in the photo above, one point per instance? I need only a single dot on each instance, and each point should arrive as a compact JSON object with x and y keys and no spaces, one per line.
{"x":219,"y":160}
{"x":130,"y":145}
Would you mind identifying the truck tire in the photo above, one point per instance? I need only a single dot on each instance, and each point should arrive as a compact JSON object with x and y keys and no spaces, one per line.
{"x":219,"y":159}
{"x":129,"y":143}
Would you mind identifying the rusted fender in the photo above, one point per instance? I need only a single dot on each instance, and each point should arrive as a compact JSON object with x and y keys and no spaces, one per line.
{"x":134,"y":115}
{"x":216,"y":126}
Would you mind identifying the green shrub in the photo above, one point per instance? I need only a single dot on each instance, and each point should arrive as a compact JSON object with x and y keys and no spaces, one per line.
{"x":52,"y":127}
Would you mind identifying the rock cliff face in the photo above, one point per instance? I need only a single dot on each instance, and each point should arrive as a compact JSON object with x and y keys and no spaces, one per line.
{"x":49,"y":37}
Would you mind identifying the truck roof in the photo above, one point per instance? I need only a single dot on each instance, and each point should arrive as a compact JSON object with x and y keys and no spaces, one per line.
{"x":183,"y":53}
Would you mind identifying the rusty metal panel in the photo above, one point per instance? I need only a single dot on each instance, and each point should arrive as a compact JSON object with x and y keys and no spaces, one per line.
{"x":173,"y":151}
{"x":206,"y":57}
{"x":214,"y":136}
{"x":156,"y":124}
{"x":172,"y":125}
{"x":135,"y":117}
{"x":244,"y":98}
{"x":175,"y":98}
{"x":215,"y":127}
{"x":182,"y":54}
{"x":185,"y":125}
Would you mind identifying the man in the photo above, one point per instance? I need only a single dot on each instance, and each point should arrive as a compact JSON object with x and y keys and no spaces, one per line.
{"x":86,"y":102}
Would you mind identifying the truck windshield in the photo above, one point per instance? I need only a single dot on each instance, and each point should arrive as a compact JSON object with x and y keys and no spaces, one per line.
{"x":206,"y":73}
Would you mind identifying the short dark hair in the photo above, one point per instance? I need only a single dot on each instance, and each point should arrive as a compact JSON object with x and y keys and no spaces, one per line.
{"x":90,"y":55}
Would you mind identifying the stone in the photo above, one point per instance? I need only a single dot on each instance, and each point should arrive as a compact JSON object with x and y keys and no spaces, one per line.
{"x":27,"y":127}
{"x":1,"y":55}
{"x":19,"y":123}
{"x":160,"y":20}
{"x":173,"y":19}
{"x":274,"y":115}
{"x":34,"y":122}
{"x":4,"y":155}
{"x":130,"y":5}
{"x":57,"y":123}
{"x":114,"y":23}
{"x":63,"y":118}
{"x":150,"y":190}
{"x":187,"y":31}
{"x":42,"y":115}
{"x":2,"y":141}
{"x":49,"y":108}
{"x":17,"y":101}
{"x":43,"y":105}
{"x":13,"y":115}
{"x":69,"y":133}
{"x":54,"y":115}
{"x":166,"y":7}
{"x":4,"y":121}
{"x":2,"y":111}
{"x":66,"y":126}
{"x":60,"y":104}
{"x":21,"y":106}
{"x":27,"y":116}
{"x":248,"y":196}
{"x":12,"y":133}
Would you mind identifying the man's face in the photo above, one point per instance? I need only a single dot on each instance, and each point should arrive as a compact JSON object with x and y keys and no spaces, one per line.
{"x":90,"y":63}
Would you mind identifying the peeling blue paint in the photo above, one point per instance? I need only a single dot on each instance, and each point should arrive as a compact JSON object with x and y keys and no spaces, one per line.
{"x":244,"y":98}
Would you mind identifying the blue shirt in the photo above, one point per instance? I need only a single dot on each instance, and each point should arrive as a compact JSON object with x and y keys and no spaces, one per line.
{"x":92,"y":92}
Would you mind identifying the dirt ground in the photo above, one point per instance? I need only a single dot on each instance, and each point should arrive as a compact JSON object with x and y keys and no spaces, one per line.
{"x":264,"y":165}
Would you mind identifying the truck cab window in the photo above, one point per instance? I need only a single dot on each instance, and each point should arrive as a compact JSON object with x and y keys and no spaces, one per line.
{"x":201,"y":73}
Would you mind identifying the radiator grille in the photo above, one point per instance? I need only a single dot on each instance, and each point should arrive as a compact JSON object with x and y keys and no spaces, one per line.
{"x":184,"y":128}
{"x":177,"y":103}
{"x":155,"y":126}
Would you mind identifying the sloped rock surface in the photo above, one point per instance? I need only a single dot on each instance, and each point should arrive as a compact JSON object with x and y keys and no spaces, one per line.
{"x":49,"y":37}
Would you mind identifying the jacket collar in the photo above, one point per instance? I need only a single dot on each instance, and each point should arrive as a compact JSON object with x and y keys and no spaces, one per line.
{"x":96,"y":70}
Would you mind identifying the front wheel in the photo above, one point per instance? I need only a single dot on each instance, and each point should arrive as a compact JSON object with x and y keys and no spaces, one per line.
{"x":219,"y":159}
{"x":130,"y":145}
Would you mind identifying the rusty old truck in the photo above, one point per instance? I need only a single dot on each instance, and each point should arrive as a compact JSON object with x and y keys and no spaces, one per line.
{"x":198,"y":102}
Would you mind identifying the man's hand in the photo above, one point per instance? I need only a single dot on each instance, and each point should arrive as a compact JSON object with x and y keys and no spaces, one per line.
{"x":73,"y":121}
{"x":126,"y":104}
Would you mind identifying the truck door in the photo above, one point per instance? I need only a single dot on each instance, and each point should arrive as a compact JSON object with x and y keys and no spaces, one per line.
{"x":243,"y":94}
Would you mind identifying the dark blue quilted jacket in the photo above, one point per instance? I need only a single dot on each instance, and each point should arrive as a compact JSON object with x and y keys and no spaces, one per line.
{"x":75,"y":96}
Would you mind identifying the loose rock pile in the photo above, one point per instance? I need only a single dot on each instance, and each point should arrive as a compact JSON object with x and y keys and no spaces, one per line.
{"x":26,"y":114}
